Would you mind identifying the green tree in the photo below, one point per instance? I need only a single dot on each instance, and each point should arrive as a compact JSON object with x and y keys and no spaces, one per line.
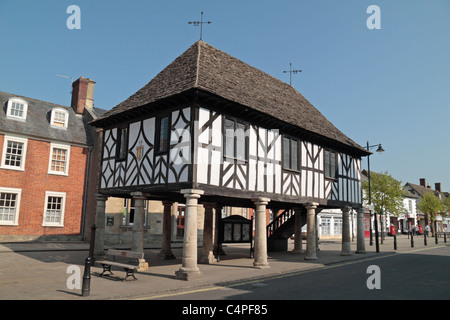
{"x":387,"y":193}
{"x":431,"y":206}
{"x":446,"y":205}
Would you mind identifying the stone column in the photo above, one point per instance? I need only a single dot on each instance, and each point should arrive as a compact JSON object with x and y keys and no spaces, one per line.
{"x":217,"y":246}
{"x":298,"y":231}
{"x":360,"y":238}
{"x":138,"y":223}
{"x":207,"y":255}
{"x":100,"y":222}
{"x":311,"y":231}
{"x":189,"y":269}
{"x":260,"y":248}
{"x":166,"y":250}
{"x":346,"y":246}
{"x":173,"y":217}
{"x":137,"y":243}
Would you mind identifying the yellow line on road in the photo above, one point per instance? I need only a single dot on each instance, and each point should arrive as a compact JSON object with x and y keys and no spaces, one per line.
{"x":284,"y":275}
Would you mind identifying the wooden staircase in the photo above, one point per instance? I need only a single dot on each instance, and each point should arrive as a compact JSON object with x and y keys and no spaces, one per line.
{"x":281,"y":229}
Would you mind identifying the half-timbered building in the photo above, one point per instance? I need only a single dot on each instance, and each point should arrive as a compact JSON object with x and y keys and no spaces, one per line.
{"x":213,"y":130}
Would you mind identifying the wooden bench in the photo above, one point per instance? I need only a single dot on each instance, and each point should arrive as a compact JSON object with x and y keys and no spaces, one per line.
{"x":130,"y":265}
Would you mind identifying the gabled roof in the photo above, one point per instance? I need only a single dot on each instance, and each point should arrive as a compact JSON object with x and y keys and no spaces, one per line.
{"x":421,"y":190}
{"x":206,"y":68}
{"x":37,"y":123}
{"x":405,"y":192}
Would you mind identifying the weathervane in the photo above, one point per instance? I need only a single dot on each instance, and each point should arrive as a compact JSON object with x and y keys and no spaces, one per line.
{"x":291,"y":72}
{"x":197,"y":23}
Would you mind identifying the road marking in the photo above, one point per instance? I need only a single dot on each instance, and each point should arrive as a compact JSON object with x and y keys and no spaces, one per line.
{"x":281,"y":276}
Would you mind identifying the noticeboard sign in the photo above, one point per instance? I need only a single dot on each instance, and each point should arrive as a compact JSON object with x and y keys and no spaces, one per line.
{"x":235,"y":229}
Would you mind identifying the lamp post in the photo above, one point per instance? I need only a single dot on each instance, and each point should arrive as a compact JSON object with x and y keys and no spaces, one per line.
{"x":379,"y":149}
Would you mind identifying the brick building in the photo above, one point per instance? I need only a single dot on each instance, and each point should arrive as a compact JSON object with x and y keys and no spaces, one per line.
{"x":45,"y":151}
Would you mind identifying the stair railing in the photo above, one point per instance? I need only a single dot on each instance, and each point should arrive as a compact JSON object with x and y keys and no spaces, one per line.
{"x":279,"y":221}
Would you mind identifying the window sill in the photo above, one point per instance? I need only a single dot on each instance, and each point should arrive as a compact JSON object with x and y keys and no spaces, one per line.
{"x":12,"y":168}
{"x":11,"y":224}
{"x":58,"y":174}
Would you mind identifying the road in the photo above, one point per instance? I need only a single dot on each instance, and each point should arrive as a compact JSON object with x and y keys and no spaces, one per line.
{"x":422,"y":274}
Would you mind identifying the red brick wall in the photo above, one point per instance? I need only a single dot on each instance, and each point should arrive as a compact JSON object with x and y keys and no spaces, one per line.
{"x":35,"y":181}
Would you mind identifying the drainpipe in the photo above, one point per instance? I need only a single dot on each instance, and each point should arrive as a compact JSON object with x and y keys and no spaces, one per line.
{"x":86,"y":178}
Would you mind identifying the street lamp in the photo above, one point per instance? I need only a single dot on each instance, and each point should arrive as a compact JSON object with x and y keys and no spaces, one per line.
{"x":379,"y":150}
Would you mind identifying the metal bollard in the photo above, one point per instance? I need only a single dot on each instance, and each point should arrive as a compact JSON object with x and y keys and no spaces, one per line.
{"x":436,"y":237}
{"x":445,"y":237}
{"x":424,"y":238}
{"x":395,"y":242}
{"x":412,"y":240}
{"x":86,"y":289}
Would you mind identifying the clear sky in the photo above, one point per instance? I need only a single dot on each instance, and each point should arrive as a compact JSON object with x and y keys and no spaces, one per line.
{"x":389,"y":85}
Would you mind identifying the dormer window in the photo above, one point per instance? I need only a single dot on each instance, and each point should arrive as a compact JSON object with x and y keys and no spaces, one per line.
{"x":17,"y":109}
{"x":59,"y":118}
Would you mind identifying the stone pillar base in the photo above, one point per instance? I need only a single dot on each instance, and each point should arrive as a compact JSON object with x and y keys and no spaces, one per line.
{"x":166,"y":255}
{"x":208,"y":259}
{"x":311,"y":257}
{"x":143,"y":265}
{"x":188,"y":274}
{"x":259,"y":265}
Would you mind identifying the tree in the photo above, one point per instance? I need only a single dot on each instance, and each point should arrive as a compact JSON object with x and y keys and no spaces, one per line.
{"x":386,"y":194}
{"x":431,"y":206}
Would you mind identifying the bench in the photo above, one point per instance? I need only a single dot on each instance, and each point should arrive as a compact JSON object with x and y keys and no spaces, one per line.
{"x":130,"y":266}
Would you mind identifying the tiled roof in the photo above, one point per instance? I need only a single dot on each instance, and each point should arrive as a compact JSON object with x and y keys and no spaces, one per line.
{"x":206,"y":68}
{"x":421,"y":190}
{"x":37,"y":123}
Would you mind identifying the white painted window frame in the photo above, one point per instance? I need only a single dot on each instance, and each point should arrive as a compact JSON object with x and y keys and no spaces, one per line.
{"x":63,"y":209}
{"x":16,"y":217}
{"x":66,"y":118}
{"x":54,"y":146}
{"x":9,"y":109}
{"x":6,"y":139}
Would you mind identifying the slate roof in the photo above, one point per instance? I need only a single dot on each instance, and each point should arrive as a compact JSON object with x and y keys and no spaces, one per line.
{"x":37,"y":123}
{"x":206,"y":68}
{"x":421,"y":190}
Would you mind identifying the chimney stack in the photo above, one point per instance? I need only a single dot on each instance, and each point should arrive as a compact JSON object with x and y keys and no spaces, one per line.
{"x":437,"y":186}
{"x":82,"y":94}
{"x":422,"y":182}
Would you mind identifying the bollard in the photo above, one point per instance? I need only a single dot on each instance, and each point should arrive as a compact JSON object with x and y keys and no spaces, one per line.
{"x":436,"y":237}
{"x":445,"y":237}
{"x":424,"y":238}
{"x":395,"y":242}
{"x":412,"y":240}
{"x":86,"y":289}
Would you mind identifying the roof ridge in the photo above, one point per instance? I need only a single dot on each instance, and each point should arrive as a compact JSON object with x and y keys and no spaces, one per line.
{"x":197,"y":66}
{"x":36,"y":100}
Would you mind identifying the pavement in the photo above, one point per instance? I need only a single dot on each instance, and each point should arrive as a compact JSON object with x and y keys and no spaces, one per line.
{"x":50,"y":270}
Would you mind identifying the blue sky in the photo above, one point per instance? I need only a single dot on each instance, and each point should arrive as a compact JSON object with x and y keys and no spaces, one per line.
{"x":388,"y":85}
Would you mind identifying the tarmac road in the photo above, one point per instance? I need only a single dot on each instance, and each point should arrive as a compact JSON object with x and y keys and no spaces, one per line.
{"x":39,"y":270}
{"x":421,"y":274}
